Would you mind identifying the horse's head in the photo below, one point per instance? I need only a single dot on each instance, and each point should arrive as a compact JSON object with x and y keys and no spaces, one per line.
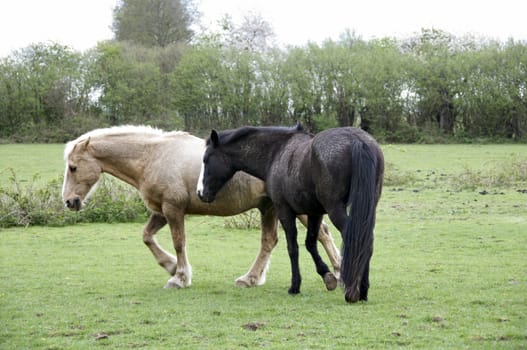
{"x":81,"y":174}
{"x":216,"y":170}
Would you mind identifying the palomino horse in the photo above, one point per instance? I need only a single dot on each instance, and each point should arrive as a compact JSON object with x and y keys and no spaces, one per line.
{"x":336,"y":171}
{"x":164,"y":167}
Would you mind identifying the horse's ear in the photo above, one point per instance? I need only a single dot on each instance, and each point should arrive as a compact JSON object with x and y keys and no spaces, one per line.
{"x":83,"y":145}
{"x":214,"y":139}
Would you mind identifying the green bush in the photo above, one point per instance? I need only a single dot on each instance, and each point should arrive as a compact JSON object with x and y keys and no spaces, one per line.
{"x":29,"y":204}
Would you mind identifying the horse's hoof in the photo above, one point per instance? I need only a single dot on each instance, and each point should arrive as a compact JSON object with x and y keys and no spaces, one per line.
{"x":179,"y":280}
{"x":293,"y":291}
{"x":248,"y":281}
{"x":330,"y":280}
{"x":351,"y":295}
{"x":244,"y":282}
{"x":172,"y":285}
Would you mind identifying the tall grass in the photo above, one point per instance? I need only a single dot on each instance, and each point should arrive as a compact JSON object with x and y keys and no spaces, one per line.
{"x":501,"y":175}
{"x":25,"y":203}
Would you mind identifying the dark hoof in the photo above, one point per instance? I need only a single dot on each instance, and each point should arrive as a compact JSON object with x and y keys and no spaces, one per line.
{"x":352,"y":295}
{"x":293,"y":291}
{"x":330,"y":281}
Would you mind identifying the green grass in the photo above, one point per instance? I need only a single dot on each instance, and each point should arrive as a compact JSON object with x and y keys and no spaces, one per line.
{"x":451,"y":158}
{"x":449,"y":271}
{"x":45,"y":161}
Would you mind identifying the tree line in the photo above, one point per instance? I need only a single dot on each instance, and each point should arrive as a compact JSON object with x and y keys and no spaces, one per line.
{"x":426,"y":88}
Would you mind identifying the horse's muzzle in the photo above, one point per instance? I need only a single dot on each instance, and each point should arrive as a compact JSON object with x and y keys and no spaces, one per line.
{"x":74,"y":204}
{"x":205,"y":197}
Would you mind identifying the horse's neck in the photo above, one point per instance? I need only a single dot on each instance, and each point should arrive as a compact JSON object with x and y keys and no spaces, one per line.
{"x":258,"y":158}
{"x":123,"y":159}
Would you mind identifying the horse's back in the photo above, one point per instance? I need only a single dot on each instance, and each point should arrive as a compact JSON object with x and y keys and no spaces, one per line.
{"x":334,"y":146}
{"x":331,"y":158}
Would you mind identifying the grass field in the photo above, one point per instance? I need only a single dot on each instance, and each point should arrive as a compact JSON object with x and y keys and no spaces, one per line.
{"x":27,"y":161}
{"x":449,"y":270}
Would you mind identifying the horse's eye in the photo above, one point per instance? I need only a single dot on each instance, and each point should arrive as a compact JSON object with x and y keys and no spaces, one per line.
{"x":73,"y":168}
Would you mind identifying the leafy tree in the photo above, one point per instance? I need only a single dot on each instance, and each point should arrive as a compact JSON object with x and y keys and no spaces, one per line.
{"x":306,"y":85}
{"x":345,"y":83}
{"x":196,"y":82}
{"x":435,"y":78}
{"x":515,"y":77}
{"x":15,"y":97}
{"x":217,"y":87}
{"x":273,"y":92}
{"x":42,"y":85}
{"x":128,"y":80}
{"x":154,"y":22}
{"x":492,"y":100}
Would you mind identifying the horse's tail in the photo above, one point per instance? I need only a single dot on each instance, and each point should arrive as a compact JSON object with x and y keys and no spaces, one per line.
{"x":358,"y":232}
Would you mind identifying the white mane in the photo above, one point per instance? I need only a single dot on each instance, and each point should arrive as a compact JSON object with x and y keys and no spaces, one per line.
{"x":117,"y":130}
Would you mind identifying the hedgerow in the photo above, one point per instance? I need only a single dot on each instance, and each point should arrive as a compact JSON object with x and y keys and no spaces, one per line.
{"x":25,"y":204}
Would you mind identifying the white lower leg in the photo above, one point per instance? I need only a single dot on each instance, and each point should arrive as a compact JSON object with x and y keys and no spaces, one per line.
{"x":256,"y":276}
{"x":181,"y":279}
{"x":325,"y":238}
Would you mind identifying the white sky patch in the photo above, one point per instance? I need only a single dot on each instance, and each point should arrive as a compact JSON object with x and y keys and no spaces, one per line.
{"x":81,"y":24}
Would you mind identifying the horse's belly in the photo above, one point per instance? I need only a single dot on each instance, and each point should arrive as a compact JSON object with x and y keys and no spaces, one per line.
{"x":226,"y":206}
{"x":306,"y":203}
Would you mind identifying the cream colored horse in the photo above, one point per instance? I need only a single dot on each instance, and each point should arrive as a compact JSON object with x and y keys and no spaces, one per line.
{"x":164,"y":167}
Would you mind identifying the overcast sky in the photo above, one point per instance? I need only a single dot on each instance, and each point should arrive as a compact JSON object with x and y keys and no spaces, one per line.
{"x":82,"y":23}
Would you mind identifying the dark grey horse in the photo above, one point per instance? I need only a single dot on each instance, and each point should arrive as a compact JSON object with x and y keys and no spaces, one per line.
{"x":338,"y":172}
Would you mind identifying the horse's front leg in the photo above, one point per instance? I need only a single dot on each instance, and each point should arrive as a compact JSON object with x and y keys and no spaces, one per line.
{"x":313,"y":226}
{"x":287,"y":219}
{"x":163,"y":258}
{"x":269,"y":226}
{"x":183,"y":275}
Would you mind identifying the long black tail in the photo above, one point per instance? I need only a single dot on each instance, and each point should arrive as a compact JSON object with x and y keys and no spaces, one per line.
{"x":358,"y":232}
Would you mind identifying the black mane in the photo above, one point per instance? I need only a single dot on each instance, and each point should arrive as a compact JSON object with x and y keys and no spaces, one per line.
{"x":228,"y":136}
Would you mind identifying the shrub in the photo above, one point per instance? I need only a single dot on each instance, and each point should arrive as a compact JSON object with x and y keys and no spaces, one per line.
{"x":29,"y":204}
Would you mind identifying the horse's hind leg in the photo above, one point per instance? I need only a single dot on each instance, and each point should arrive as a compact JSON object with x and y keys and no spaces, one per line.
{"x":163,"y":258}
{"x":183,"y":275}
{"x":257,"y":273}
{"x":313,"y":226}
{"x":359,"y":289}
{"x":325,"y":238}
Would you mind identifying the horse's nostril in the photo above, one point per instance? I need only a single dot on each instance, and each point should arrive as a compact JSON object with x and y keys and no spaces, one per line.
{"x":73,"y":203}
